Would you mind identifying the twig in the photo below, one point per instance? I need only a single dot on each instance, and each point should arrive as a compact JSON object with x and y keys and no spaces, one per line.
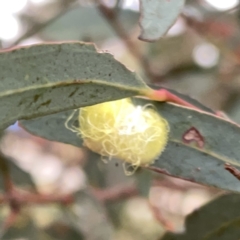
{"x":8,"y":185}
{"x":158,"y":215}
{"x":40,"y":26}
{"x":234,"y":171}
{"x":43,"y":199}
{"x":215,"y":32}
{"x":9,"y":190}
{"x":112,"y":19}
{"x":115,"y":193}
{"x":17,"y":199}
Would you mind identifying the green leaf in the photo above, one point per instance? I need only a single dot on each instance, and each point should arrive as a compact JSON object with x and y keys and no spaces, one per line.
{"x":157,"y":16}
{"x":52,"y":127}
{"x":95,"y":170}
{"x":88,"y":216}
{"x":199,"y":161}
{"x":86,"y":23}
{"x":49,"y":78}
{"x":219,"y":220}
{"x":202,"y":164}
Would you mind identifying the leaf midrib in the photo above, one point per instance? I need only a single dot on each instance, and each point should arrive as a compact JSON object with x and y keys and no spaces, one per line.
{"x":72,"y":82}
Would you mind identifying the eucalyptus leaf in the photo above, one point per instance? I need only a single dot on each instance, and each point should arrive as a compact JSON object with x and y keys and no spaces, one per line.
{"x":218,"y":219}
{"x":49,"y":78}
{"x":52,"y":127}
{"x":157,"y":16}
{"x":199,"y":161}
{"x":49,"y":127}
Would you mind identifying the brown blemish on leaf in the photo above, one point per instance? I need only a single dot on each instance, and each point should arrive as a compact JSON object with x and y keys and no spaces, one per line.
{"x":72,"y":93}
{"x":193,"y":135}
{"x":46,"y":103}
{"x":234,"y":171}
{"x":36,"y":97}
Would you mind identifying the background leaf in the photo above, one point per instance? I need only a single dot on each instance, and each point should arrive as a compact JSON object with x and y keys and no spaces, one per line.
{"x":62,"y":231}
{"x":35,"y":80}
{"x":144,"y":182}
{"x":83,"y":23}
{"x":26,"y":229}
{"x":95,"y":170}
{"x":18,"y":175}
{"x":216,"y":220}
{"x":86,"y":207}
{"x":157,"y":16}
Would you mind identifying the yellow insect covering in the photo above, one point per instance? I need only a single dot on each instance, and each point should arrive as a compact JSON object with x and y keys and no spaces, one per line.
{"x":134,"y":134}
